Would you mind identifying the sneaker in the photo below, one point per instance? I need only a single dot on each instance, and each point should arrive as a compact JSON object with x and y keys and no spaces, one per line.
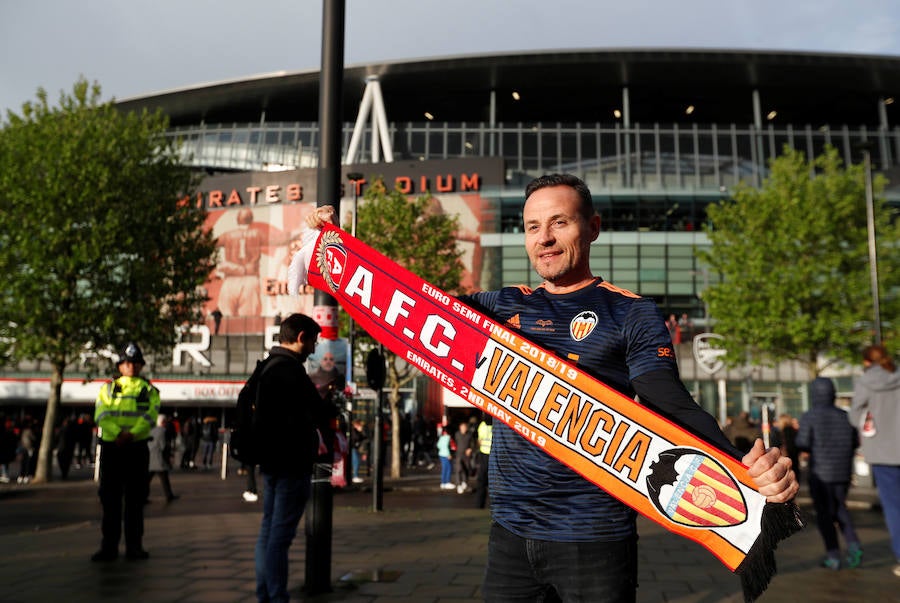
{"x":447,"y":486}
{"x":104,"y":555}
{"x":430,"y":466}
{"x":460,"y":488}
{"x":831,"y":563}
{"x":357,"y":480}
{"x":4,"y":479}
{"x":249,"y":496}
{"x":854,"y":557}
{"x":897,"y":570}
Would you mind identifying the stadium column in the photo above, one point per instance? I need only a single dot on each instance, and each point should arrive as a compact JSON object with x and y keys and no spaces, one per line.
{"x":328,"y":186}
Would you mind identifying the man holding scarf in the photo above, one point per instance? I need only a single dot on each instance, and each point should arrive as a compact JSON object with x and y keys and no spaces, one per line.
{"x":555,"y":535}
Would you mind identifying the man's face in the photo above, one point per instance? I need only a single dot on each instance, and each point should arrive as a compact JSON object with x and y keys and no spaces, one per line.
{"x":129,"y":369}
{"x":327,"y":361}
{"x":558,"y":237}
{"x":308,"y":343}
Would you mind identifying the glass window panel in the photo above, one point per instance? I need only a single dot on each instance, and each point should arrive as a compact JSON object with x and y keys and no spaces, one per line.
{"x":653,"y":275}
{"x":630,"y":285}
{"x":681,"y":276}
{"x":516,"y":264}
{"x":681,"y":263}
{"x":681,"y":251}
{"x":651,"y":288}
{"x":677,"y":288}
{"x":620,"y":275}
{"x":620,"y":263}
{"x":653,"y":251}
{"x":653,"y":264}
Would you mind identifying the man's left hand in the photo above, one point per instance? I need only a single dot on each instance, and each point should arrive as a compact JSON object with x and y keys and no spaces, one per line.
{"x":772,"y":473}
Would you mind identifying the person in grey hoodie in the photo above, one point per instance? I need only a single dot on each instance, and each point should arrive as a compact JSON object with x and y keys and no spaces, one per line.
{"x":876,"y":411}
{"x":831,"y":443}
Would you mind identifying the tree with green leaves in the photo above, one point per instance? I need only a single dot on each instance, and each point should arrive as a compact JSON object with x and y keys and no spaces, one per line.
{"x":416,"y":234}
{"x":793,"y":260}
{"x":98,"y":245}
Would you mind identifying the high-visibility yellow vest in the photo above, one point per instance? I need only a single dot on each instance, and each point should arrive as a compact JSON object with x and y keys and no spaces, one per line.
{"x":126,"y":404}
{"x":485,"y":433}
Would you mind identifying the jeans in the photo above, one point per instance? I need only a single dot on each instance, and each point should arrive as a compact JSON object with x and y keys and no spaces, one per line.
{"x":446,"y":470}
{"x":540,"y":571}
{"x":354,"y":462}
{"x":830,"y":502}
{"x":283,"y":501}
{"x":887,"y":479}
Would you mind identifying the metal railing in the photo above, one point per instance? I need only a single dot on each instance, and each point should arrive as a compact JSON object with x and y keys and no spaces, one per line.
{"x":611,"y":156}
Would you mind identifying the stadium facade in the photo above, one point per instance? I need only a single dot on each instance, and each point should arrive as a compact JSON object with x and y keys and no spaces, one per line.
{"x":656,"y":134}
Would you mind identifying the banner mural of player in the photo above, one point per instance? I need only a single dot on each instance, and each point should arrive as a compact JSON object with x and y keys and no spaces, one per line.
{"x":248,"y":290}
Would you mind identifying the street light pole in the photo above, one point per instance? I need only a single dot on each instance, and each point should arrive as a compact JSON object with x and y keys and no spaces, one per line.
{"x":873,"y":254}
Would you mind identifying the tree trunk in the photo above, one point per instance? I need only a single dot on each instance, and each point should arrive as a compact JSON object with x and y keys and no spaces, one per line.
{"x":812,"y":366}
{"x":44,"y":470}
{"x":396,"y":453}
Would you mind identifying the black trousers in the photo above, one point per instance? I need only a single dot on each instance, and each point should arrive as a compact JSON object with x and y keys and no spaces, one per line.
{"x":124,"y":486}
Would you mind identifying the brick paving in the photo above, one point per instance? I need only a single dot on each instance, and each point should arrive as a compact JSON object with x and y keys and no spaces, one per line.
{"x":425,"y":546}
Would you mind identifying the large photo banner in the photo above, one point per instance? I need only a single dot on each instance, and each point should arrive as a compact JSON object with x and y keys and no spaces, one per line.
{"x":659,"y":469}
{"x":258,"y":219}
{"x":248,"y":290}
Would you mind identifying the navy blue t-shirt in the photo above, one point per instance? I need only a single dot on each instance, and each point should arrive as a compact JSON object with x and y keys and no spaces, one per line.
{"x":608,"y":332}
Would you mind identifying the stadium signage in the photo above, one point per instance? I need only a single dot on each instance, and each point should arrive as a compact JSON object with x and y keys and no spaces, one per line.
{"x":412,"y":178}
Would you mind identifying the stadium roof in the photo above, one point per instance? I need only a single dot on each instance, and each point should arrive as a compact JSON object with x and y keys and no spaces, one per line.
{"x":570,"y":86}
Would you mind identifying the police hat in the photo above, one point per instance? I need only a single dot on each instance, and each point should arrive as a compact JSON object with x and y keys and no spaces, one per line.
{"x":131,"y":353}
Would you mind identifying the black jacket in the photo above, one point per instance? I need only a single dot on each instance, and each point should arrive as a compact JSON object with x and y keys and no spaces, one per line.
{"x":287,"y":415}
{"x":827,"y":435}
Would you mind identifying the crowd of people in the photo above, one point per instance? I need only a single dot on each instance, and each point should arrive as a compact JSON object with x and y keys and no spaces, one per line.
{"x":191,"y":443}
{"x":74,"y":442}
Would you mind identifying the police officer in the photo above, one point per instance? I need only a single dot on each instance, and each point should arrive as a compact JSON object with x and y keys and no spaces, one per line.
{"x":125,"y":412}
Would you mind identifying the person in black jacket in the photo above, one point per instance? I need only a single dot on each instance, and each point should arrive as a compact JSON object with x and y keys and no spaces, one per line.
{"x":830,"y":440}
{"x":288,"y":414}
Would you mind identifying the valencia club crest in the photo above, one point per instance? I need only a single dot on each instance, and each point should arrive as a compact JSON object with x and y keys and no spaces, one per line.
{"x":694,"y":490}
{"x":582,"y":325}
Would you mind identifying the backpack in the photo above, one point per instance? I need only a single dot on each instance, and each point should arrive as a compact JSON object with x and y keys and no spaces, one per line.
{"x":244,"y":447}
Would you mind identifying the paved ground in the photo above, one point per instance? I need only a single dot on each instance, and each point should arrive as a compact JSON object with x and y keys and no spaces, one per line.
{"x":426,"y":545}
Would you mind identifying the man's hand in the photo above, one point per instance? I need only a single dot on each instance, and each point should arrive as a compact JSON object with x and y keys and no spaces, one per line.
{"x":320,"y":216}
{"x":772,"y":473}
{"x":123,"y":438}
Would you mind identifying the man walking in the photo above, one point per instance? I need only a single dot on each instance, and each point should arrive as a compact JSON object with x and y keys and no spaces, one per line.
{"x":287,"y":414}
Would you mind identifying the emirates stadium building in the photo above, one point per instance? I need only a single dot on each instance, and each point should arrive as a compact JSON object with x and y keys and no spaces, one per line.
{"x":656,"y":134}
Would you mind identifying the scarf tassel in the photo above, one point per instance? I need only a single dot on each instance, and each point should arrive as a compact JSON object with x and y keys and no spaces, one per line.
{"x":779,"y":520}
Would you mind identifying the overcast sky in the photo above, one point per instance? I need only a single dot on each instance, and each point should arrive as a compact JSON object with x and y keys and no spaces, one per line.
{"x":137,"y":47}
